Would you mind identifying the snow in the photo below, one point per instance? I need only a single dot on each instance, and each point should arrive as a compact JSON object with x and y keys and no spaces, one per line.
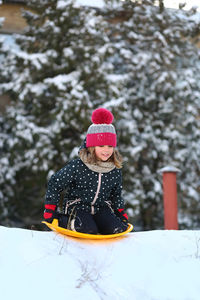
{"x":175,"y":4}
{"x":61,"y":80}
{"x":9,"y":41}
{"x":151,"y":265}
{"x":169,"y":169}
{"x":97,"y":3}
{"x":167,"y":3}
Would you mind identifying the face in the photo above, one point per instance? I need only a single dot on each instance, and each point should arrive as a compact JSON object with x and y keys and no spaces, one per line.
{"x":103,"y":152}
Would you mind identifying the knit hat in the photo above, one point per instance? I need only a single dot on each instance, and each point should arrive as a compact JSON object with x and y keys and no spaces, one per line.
{"x":101,"y":132}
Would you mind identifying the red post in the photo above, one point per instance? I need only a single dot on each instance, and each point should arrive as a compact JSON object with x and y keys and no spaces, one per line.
{"x":170,"y":197}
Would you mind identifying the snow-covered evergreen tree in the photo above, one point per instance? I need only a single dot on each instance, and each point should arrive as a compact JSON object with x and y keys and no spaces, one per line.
{"x":157,"y":53}
{"x":1,"y":121}
{"x":139,"y":60}
{"x":1,"y":38}
{"x":55,"y":81}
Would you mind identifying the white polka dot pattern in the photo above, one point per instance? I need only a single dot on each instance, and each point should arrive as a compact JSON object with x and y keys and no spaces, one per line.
{"x":81,"y":183}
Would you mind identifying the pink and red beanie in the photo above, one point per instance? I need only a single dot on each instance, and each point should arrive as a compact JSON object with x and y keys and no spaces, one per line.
{"x":101,"y":132}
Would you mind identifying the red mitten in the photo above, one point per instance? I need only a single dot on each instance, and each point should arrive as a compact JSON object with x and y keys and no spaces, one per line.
{"x":50,"y":212}
{"x":122,"y":215}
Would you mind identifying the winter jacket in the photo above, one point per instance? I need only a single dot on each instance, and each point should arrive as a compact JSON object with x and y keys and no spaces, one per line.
{"x":86,"y":189}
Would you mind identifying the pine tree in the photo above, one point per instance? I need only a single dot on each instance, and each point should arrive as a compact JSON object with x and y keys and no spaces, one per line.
{"x":3,"y":159}
{"x":137,"y":59}
{"x":55,"y":81}
{"x":156,"y":52}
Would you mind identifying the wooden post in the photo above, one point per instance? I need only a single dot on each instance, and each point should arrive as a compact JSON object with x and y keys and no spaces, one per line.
{"x":170,"y":197}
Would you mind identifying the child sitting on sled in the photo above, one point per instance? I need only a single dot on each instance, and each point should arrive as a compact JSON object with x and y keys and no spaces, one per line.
{"x":93,"y":184}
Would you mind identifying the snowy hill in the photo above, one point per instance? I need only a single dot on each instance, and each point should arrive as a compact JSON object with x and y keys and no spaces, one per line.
{"x":154,"y":265}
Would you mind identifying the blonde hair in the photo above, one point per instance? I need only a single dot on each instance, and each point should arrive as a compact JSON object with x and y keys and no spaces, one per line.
{"x":116,"y":157}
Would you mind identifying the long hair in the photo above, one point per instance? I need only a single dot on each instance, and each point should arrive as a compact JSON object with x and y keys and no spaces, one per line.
{"x":89,"y":152}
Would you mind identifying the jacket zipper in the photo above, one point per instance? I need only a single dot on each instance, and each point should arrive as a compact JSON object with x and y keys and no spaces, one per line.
{"x":96,"y":195}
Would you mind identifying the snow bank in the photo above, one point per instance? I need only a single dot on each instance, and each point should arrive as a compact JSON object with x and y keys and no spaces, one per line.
{"x":156,"y":265}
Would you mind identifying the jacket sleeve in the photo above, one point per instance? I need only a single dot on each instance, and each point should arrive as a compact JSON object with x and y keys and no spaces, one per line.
{"x":115,"y":196}
{"x":59,"y":182}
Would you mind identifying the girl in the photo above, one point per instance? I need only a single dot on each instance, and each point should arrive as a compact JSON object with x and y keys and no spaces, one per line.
{"x":93,"y":183}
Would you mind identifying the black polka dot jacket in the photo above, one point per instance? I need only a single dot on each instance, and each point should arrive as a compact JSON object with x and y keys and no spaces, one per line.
{"x":84,"y":188}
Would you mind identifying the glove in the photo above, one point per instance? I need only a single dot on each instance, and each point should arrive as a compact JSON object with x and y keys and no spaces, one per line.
{"x":120,"y":213}
{"x":50,"y":213}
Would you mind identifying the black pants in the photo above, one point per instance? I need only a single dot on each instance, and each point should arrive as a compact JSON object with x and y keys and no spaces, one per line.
{"x":103,"y":222}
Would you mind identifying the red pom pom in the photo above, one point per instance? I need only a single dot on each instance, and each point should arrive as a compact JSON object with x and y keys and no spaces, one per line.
{"x":102,"y":116}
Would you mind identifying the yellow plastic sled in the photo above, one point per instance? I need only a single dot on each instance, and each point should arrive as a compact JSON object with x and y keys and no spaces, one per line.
{"x":54,"y":226}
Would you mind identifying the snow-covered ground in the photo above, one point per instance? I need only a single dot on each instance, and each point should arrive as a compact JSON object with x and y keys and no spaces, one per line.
{"x":153,"y":265}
